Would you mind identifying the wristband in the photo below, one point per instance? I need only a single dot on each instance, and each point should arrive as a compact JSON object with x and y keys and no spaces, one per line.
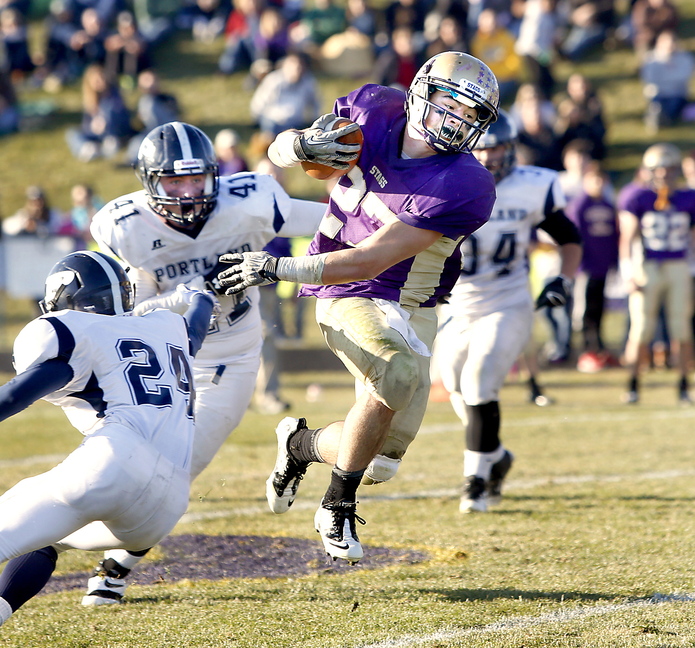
{"x":305,"y":270}
{"x":283,"y":151}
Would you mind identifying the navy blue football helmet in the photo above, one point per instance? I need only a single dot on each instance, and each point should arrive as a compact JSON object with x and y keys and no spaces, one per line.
{"x":177,"y":149}
{"x":503,"y":131}
{"x":90,"y":282}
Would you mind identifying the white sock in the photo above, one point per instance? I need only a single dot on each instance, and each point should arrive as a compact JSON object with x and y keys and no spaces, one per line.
{"x":123,"y":558}
{"x":479,"y":464}
{"x":5,"y":611}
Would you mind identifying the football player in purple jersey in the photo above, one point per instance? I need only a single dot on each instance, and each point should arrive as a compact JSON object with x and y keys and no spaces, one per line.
{"x":388,"y":247}
{"x":660,"y":215}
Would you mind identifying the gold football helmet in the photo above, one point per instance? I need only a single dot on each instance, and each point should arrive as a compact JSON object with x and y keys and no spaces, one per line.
{"x":468,"y":81}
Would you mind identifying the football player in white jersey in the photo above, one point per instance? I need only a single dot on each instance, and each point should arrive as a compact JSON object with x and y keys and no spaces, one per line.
{"x":173,"y":232}
{"x":126,"y":384}
{"x":488,"y":318}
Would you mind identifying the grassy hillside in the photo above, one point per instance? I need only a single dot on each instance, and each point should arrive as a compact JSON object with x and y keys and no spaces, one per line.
{"x":213,"y":102}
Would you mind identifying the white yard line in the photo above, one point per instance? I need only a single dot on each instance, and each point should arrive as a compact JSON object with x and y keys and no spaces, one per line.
{"x":519,"y":623}
{"x":510,"y":486}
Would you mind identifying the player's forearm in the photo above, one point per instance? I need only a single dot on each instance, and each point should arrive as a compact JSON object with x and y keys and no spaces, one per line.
{"x":570,"y":258}
{"x":34,"y":383}
{"x":198,"y":320}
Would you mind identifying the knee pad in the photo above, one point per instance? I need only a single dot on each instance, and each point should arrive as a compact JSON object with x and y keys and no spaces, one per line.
{"x":380,"y":469}
{"x":399,"y":381}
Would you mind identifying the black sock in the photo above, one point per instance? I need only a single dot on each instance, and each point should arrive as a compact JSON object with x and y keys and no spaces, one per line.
{"x":343,"y":486}
{"x":633,"y":384}
{"x":302,"y":446}
{"x":25,"y":576}
{"x":683,"y":384}
{"x":114,"y":569}
{"x":533,"y":386}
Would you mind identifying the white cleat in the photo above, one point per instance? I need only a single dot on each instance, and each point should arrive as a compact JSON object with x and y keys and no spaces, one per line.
{"x":104,"y":590}
{"x":335,"y":522}
{"x":474,"y":498}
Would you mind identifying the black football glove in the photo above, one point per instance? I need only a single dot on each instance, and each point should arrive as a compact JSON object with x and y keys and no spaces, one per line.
{"x":248,"y":269}
{"x":556,"y":293}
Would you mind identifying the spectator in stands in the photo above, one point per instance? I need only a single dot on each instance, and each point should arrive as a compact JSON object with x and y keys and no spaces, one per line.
{"x":273,"y":36}
{"x":597,"y":220}
{"x":649,"y":18}
{"x":590,"y":22}
{"x":106,"y":10}
{"x":59,"y":61}
{"x":666,"y":74}
{"x":105,"y":118}
{"x":154,"y":108}
{"x":361,"y":18}
{"x":15,"y":39}
{"x":576,"y":156}
{"x":241,"y":34}
{"x":451,"y":37}
{"x":406,"y":13}
{"x":127,"y":51}
{"x":35,"y":218}
{"x":229,"y":158}
{"x":316,"y":25}
{"x":9,"y":109}
{"x":580,"y":116}
{"x":536,"y":144}
{"x":537,"y":42}
{"x":287,"y":97}
{"x":155,"y":18}
{"x":496,"y":45}
{"x":529,"y":92}
{"x":205,"y":18}
{"x":84,"y":205}
{"x":397,"y":65}
{"x":87,"y":43}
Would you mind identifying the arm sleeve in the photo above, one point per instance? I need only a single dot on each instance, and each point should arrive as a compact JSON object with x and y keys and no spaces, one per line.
{"x":34,"y":383}
{"x":561,"y":228}
{"x":303,"y":219}
{"x":198,"y":321}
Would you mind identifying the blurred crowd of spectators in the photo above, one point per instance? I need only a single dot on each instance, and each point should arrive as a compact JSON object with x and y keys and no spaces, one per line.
{"x":111,"y":46}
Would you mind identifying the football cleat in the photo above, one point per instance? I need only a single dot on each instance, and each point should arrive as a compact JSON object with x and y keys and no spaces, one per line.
{"x":497,"y":474}
{"x":474,"y":498}
{"x":541,"y":400}
{"x":281,"y":487}
{"x":335,"y":522}
{"x":104,"y":590}
{"x":631,"y":397}
{"x":684,"y":397}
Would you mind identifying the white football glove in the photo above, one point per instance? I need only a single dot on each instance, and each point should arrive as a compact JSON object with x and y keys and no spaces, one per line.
{"x":185,"y":294}
{"x":322,"y":146}
{"x":248,"y":269}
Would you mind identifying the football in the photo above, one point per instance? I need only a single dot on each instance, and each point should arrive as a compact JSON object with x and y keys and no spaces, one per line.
{"x":323,"y":172}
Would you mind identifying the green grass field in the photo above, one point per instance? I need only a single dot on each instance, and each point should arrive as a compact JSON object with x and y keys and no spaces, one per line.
{"x":593,"y":544}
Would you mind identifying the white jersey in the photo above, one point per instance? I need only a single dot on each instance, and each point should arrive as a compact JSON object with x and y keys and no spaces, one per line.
{"x":251,"y":210}
{"x":132,"y":371}
{"x":495,"y":258}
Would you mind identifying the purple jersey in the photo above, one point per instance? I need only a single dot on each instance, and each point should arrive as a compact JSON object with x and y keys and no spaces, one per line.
{"x":451,"y":194}
{"x":597,"y":220}
{"x":665,"y":232}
